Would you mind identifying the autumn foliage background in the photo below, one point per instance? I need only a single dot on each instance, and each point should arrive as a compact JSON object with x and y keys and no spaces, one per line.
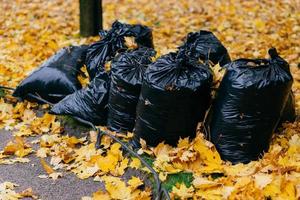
{"x":32,"y":31}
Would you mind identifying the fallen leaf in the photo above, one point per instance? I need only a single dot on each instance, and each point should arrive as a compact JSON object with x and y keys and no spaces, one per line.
{"x":46,"y":167}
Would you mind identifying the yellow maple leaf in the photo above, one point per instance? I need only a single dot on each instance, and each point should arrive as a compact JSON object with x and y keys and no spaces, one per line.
{"x":183,"y":143}
{"x":7,"y":192}
{"x":120,"y":170}
{"x":135,"y":163}
{"x":23,"y":131}
{"x":135,"y":182}
{"x":107,"y":163}
{"x":23,"y":152}
{"x":17,"y":147}
{"x":116,"y":187}
{"x":288,"y":190}
{"x":138,"y":194}
{"x":259,"y":24}
{"x":273,"y":189}
{"x":100,"y":195}
{"x":262,"y":180}
{"x":163,"y":176}
{"x":72,"y":141}
{"x":202,"y":183}
{"x":42,"y":152}
{"x":162,"y":149}
{"x":182,"y":191}
{"x":212,"y":194}
{"x":49,"y":140}
{"x":84,"y":170}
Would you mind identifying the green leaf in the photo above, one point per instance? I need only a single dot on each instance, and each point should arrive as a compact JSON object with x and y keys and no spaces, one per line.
{"x":2,"y":93}
{"x":181,"y":177}
{"x":149,"y":160}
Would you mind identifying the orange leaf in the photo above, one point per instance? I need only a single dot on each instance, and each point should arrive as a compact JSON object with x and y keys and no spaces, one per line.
{"x":46,"y":167}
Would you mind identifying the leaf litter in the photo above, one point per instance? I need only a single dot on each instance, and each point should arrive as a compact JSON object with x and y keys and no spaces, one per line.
{"x":247,"y":28}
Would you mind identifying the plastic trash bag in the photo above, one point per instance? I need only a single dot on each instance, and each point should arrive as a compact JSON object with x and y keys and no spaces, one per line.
{"x":248,"y":106}
{"x":127,"y":70}
{"x":175,"y":95}
{"x":208,"y":46}
{"x":89,"y":103}
{"x":56,"y":77}
{"x":113,"y":41}
{"x":289,"y":111}
{"x":142,"y":35}
{"x":104,"y":50}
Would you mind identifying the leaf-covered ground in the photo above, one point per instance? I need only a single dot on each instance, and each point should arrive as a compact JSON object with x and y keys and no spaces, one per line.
{"x":31,"y":31}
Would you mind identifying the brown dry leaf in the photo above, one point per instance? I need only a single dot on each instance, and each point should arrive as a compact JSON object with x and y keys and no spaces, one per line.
{"x":46,"y":167}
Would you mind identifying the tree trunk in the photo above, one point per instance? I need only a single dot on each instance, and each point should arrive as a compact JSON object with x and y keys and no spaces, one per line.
{"x":90,"y":17}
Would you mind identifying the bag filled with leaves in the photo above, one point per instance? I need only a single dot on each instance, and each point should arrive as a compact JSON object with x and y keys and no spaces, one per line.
{"x":127,"y":70}
{"x":89,"y":103}
{"x":113,"y":41}
{"x":289,"y":111}
{"x":248,"y":106}
{"x":56,"y":77}
{"x":208,"y":46}
{"x":175,"y":95}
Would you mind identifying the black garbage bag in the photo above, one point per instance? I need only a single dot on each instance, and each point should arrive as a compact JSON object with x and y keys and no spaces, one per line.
{"x":208,"y":46}
{"x":175,"y":95}
{"x":56,"y":77}
{"x":289,"y":111}
{"x":142,"y":35}
{"x":113,"y":41}
{"x":248,"y":107}
{"x":89,"y":103}
{"x":127,"y":70}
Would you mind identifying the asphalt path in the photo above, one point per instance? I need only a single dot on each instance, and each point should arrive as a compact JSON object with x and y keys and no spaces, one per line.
{"x":69,"y":187}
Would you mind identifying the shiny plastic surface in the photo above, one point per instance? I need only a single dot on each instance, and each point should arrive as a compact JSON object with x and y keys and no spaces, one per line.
{"x":113,"y":41}
{"x":207,"y":47}
{"x":89,"y":103}
{"x":127,"y":70}
{"x":56,"y":77}
{"x":248,"y":107}
{"x":175,"y":95}
{"x":289,"y":112}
